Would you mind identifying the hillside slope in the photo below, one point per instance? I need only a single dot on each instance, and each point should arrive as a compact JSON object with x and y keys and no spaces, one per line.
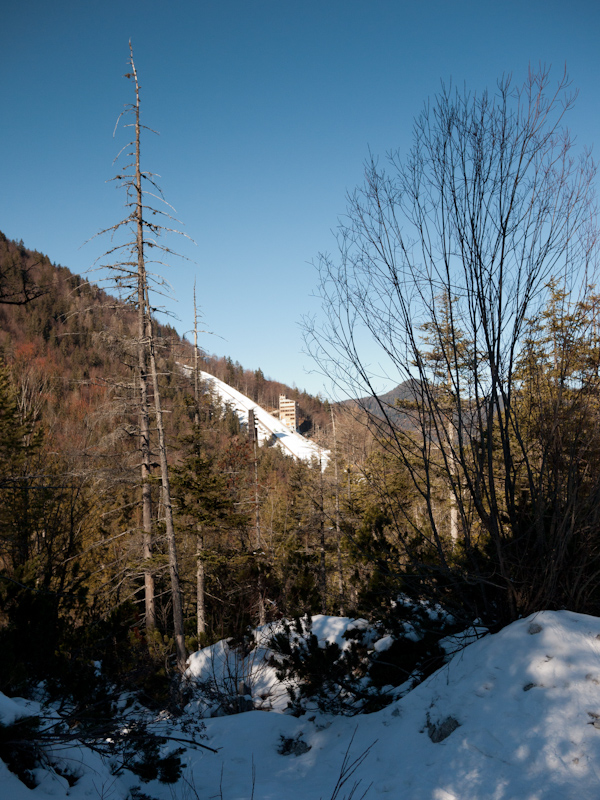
{"x":75,"y":331}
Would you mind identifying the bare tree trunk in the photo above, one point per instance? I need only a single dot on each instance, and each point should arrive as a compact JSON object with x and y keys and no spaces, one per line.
{"x":147,"y":345}
{"x":149,"y":602}
{"x":452,"y":473}
{"x":338,"y":535}
{"x":196,"y":370}
{"x":200,"y":569}
{"x":144,"y":413}
{"x":170,"y":528}
{"x":200,"y":588}
{"x":262,"y":615}
{"x":323,"y":569}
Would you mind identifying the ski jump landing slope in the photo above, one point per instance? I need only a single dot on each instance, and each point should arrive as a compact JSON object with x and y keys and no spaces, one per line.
{"x":268,"y":426}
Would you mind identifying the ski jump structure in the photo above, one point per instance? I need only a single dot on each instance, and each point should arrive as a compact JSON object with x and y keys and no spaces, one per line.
{"x":268,"y":426}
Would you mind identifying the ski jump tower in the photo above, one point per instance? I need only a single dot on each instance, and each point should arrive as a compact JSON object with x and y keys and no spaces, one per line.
{"x":288,"y":412}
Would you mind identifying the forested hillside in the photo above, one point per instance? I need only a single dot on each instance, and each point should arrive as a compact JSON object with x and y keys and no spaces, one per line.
{"x":263,"y":534}
{"x":404,"y":528}
{"x":258,"y":535}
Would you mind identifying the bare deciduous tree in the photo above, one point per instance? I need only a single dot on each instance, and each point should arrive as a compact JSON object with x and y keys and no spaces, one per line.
{"x":491,"y":203}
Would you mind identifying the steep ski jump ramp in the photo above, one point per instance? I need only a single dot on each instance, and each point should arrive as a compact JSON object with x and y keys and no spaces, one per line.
{"x":268,"y":426}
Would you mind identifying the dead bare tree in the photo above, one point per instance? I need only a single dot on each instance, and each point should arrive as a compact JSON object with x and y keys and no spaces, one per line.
{"x":338,"y":533}
{"x":490,"y":204}
{"x":200,"y":570}
{"x":129,"y":276}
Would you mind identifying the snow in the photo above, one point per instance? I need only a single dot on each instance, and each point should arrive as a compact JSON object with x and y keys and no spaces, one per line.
{"x":221,"y":670}
{"x":332,"y":629}
{"x":14,"y":709}
{"x":525,"y":701}
{"x":383,"y":644}
{"x":268,"y":426}
{"x":513,"y":716}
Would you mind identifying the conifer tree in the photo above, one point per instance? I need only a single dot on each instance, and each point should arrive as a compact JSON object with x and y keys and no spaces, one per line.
{"x":16,"y":447}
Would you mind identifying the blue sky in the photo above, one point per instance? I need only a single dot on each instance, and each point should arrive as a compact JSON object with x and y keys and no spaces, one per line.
{"x":267,"y":111}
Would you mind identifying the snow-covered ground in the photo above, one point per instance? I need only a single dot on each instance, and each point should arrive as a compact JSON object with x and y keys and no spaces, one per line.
{"x":268,"y":426}
{"x":514,"y":716}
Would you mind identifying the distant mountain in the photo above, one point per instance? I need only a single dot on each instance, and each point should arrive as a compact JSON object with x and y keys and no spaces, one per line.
{"x":399,"y":406}
{"x":389,"y":404}
{"x":405,"y":391}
